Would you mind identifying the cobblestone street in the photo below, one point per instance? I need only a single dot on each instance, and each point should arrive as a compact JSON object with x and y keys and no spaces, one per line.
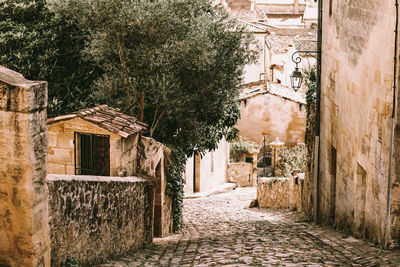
{"x":222,"y":231}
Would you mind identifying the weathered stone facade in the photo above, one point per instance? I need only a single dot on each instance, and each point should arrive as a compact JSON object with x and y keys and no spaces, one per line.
{"x":61,"y":147}
{"x":272,"y":110}
{"x":94,"y":217}
{"x":356,"y":107}
{"x":153,"y":162}
{"x":280,"y":192}
{"x":24,"y":228}
{"x":243,"y":173}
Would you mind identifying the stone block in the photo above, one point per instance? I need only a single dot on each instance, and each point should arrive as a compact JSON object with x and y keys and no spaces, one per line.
{"x":65,"y":141}
{"x":61,"y":156}
{"x":52,"y":139}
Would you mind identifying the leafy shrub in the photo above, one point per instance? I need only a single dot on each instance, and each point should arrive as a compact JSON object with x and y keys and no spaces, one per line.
{"x":70,"y":262}
{"x":291,"y":158}
{"x":240,"y":148}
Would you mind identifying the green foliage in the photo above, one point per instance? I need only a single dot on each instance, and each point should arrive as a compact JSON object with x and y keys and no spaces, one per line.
{"x":240,"y":148}
{"x":44,"y":45}
{"x":186,"y":56}
{"x":291,"y":158}
{"x":70,"y":262}
{"x":176,"y":167}
{"x":311,"y":83}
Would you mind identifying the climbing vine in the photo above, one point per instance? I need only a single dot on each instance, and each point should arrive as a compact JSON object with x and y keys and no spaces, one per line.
{"x":175,"y":183}
{"x":311,"y":83}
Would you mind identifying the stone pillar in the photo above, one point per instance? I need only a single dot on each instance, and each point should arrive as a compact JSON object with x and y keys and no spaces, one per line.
{"x":24,"y":228}
{"x":276,"y":147}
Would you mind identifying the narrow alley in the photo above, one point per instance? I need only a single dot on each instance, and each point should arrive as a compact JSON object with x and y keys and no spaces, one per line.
{"x":222,"y":230}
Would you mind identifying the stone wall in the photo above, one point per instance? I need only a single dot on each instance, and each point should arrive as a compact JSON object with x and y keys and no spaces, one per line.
{"x":280,"y":192}
{"x":243,"y":173}
{"x":94,"y":217}
{"x":24,"y":229}
{"x":356,"y":104}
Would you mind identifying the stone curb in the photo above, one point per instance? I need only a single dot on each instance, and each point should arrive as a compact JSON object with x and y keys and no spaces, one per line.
{"x":220,"y":189}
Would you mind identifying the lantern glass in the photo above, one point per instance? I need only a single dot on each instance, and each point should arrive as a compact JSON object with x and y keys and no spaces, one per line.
{"x":296,"y":79}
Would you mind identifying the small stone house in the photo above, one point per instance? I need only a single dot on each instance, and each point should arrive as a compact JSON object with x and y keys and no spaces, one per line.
{"x":102,"y":141}
{"x":95,"y":141}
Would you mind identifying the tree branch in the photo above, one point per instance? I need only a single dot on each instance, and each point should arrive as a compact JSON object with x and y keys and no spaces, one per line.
{"x":154,"y":125}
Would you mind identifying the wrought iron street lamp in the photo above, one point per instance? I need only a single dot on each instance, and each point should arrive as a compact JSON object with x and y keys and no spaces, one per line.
{"x":296,"y":79}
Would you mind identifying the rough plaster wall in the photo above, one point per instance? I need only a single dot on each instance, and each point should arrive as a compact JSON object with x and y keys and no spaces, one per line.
{"x":210,"y":179}
{"x":395,"y":235}
{"x":151,"y":154}
{"x":278,"y":193}
{"x":94,"y":217}
{"x":61,"y":145}
{"x":357,"y":77}
{"x":188,"y":187}
{"x":24,"y":229}
{"x":129,"y":155}
{"x":273,"y":117}
{"x":354,"y":31}
{"x":242,"y":174}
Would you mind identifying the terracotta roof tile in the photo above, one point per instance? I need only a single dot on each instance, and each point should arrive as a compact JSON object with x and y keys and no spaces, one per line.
{"x":107,"y":118}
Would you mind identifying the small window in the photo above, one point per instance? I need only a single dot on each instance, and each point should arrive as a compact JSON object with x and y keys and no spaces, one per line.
{"x":330,"y":7}
{"x":92,"y":154}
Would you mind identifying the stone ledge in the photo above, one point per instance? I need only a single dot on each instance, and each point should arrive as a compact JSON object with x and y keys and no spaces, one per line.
{"x":217,"y":190}
{"x":90,"y":178}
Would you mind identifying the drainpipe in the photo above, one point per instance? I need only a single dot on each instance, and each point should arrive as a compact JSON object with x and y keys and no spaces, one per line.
{"x":390,"y":178}
{"x":318,"y":117}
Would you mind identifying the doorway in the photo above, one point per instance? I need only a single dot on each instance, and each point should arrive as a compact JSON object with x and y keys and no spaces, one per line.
{"x":158,"y":203}
{"x":360,"y":198}
{"x":196,"y":172}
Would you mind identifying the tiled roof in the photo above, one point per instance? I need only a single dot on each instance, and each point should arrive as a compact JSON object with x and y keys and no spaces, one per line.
{"x":285,"y":92}
{"x":260,"y":88}
{"x":279,"y":43}
{"x":249,"y":90}
{"x":107,"y":118}
{"x":306,"y":44}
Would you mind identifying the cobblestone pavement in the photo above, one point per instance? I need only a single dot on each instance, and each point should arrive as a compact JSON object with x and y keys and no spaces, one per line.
{"x":222,"y":231}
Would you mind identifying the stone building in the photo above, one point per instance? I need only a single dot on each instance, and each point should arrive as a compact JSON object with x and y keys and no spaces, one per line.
{"x":102,"y":141}
{"x":94,"y":141}
{"x":203,"y":173}
{"x":271,"y":110}
{"x":87,"y":151}
{"x":358,"y":186}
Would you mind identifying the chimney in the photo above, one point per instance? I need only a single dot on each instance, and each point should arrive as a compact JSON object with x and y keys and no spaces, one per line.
{"x":296,"y":7}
